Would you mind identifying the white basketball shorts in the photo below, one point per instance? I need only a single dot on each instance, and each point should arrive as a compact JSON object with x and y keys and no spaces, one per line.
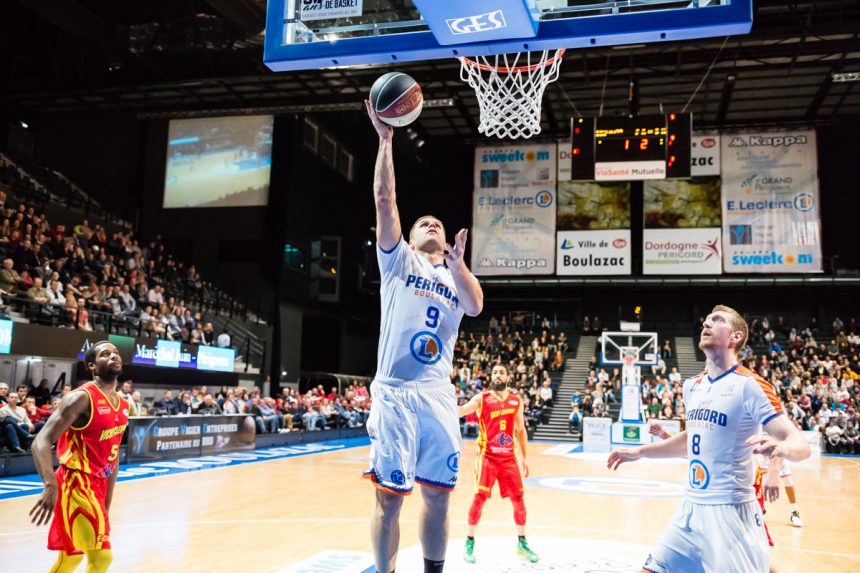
{"x":414,"y":434}
{"x":712,"y":539}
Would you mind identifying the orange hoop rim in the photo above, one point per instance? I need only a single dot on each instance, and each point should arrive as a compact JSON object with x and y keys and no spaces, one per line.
{"x":503,"y":70}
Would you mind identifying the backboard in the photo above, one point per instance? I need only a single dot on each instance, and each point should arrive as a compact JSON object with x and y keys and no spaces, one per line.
{"x":310,"y":34}
{"x":641,"y":347}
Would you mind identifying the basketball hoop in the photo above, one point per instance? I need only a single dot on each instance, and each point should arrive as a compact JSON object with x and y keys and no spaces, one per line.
{"x":629,"y":360}
{"x":510,"y":94}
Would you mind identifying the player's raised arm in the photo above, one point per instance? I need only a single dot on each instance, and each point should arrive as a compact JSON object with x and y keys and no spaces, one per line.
{"x":470,"y":406}
{"x":74,"y":407}
{"x":388,"y":230}
{"x":783,"y":440}
{"x":468,"y":288}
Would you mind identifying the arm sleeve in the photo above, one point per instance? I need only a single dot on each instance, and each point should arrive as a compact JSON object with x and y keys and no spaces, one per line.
{"x":760,"y":401}
{"x":393,"y":261}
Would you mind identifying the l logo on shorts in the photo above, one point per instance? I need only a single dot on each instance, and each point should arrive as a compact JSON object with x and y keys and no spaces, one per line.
{"x":397,"y":477}
{"x":454,"y":462}
{"x":426,"y":347}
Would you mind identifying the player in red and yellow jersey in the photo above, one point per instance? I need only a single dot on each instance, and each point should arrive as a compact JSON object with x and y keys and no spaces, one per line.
{"x":501,"y":430}
{"x":89,"y":424}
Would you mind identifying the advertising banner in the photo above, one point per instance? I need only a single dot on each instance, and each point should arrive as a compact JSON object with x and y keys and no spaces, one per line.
{"x":682,"y":234}
{"x":593,"y":224}
{"x":6,"y":336}
{"x":681,"y":252}
{"x":152,"y":438}
{"x":596,"y":432}
{"x":513,"y":210}
{"x":591,"y":253}
{"x":328,"y":9}
{"x":631,"y":403}
{"x":771,"y":220}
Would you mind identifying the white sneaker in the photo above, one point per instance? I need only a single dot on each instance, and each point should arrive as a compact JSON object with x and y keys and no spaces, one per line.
{"x":795,"y":519}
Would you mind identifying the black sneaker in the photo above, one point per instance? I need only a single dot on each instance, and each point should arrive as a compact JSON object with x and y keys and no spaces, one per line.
{"x":17,"y":450}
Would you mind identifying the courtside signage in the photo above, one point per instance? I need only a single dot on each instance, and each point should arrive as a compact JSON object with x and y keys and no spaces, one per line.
{"x":32,"y":484}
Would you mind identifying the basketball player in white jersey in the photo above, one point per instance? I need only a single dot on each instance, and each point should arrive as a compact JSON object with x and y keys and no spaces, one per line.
{"x":414,"y":425}
{"x":719,"y":525}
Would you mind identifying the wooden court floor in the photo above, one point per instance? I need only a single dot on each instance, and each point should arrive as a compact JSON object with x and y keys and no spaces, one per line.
{"x":274,"y":515}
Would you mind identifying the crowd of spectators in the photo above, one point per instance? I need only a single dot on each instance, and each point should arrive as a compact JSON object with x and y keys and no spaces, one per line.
{"x":815,"y":370}
{"x":81,"y":276}
{"x":316,"y":409}
{"x":528,"y":356}
{"x":24,"y":412}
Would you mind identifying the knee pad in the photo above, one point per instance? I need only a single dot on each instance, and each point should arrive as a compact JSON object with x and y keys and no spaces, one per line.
{"x":787,"y":481}
{"x":519,"y":510}
{"x":477,"y":507}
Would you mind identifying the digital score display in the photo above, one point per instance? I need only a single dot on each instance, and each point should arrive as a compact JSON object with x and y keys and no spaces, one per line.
{"x":631,"y":148}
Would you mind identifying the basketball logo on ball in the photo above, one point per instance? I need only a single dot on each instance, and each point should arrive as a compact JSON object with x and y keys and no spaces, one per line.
{"x":397,"y":99}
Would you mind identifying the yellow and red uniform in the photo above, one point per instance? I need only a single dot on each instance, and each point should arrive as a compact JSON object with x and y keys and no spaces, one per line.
{"x":496,"y":446}
{"x":759,"y":495}
{"x":88,"y":457}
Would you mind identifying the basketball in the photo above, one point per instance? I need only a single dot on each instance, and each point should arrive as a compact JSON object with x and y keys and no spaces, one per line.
{"x":397,"y":99}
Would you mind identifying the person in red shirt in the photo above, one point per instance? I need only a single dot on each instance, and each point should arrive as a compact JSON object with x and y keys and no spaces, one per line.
{"x":36,"y":414}
{"x":501,"y":432}
{"x":88,"y":426}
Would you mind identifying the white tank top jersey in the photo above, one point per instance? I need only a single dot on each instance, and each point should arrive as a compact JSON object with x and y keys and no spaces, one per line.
{"x":721,"y":414}
{"x":420,"y":317}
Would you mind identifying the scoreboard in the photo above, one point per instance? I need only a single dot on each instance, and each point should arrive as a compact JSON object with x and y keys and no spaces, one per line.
{"x":631,"y":148}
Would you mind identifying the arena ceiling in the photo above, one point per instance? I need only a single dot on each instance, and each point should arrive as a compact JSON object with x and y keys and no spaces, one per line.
{"x":166,"y":57}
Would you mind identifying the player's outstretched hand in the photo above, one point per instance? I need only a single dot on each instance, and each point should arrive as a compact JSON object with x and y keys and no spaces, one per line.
{"x":766,"y":446}
{"x":44,"y":508}
{"x":622,"y":455}
{"x":655,"y":429}
{"x":384,"y":131}
{"x":454,"y":255}
{"x":770,"y":486}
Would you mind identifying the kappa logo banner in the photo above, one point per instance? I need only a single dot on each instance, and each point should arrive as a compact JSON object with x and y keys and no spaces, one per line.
{"x":514,"y":210}
{"x":770,"y":203}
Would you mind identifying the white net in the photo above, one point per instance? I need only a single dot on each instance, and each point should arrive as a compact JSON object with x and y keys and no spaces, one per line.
{"x":510,"y":88}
